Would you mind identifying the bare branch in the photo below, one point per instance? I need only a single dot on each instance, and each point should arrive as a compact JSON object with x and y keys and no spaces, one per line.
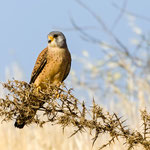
{"x":124,"y":5}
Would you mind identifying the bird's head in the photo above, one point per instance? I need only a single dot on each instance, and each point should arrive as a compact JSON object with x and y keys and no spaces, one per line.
{"x":56,"y":39}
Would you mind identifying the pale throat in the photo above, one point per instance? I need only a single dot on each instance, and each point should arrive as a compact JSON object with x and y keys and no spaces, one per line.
{"x":56,"y":50}
{"x":52,"y":45}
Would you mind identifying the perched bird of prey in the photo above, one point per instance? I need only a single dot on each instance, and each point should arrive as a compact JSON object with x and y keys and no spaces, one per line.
{"x":52,"y":65}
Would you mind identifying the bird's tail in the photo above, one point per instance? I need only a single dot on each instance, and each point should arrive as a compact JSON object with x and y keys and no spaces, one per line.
{"x":22,"y":120}
{"x":19,"y":123}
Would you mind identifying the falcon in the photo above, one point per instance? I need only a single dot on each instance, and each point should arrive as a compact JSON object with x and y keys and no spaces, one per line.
{"x":52,"y":65}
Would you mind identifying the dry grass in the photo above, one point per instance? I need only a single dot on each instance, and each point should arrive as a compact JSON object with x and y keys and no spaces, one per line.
{"x":47,"y":138}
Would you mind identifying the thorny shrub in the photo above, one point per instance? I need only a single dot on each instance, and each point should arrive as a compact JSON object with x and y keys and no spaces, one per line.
{"x":58,"y":106}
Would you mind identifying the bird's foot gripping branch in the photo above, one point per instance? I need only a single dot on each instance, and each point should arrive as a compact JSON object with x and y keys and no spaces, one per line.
{"x":59,"y":106}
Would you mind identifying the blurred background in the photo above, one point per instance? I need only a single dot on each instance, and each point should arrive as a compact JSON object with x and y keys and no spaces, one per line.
{"x":110,"y":46}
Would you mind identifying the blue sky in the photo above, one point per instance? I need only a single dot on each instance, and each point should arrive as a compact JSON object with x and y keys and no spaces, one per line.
{"x":24,"y":26}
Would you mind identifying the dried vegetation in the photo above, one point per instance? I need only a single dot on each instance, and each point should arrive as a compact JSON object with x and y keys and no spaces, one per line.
{"x":58,"y":106}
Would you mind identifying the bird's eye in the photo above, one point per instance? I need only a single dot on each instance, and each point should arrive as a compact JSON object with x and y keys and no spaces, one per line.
{"x":55,"y":36}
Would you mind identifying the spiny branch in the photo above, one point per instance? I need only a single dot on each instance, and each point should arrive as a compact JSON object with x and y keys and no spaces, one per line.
{"x":59,"y":106}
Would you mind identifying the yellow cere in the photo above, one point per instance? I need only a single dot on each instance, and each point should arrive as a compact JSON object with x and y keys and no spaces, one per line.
{"x":50,"y":38}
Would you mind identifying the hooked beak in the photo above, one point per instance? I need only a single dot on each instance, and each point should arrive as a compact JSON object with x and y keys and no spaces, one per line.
{"x":50,"y":39}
